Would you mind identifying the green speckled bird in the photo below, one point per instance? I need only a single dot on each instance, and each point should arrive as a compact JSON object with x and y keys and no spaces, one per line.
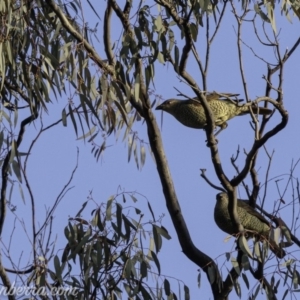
{"x":249,"y":218}
{"x":191,"y":112}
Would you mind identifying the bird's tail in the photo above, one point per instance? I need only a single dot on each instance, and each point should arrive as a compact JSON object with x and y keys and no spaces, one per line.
{"x":277,"y":250}
{"x":261,"y":110}
{"x":245,"y":109}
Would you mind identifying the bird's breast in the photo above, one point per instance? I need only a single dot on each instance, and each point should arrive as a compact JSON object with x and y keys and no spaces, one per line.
{"x":192,"y":116}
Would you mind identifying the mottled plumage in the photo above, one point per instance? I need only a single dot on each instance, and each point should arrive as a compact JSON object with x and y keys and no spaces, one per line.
{"x":191,"y":112}
{"x":249,"y":218}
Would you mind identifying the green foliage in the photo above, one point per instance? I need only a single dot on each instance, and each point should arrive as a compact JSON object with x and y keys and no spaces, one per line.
{"x":114,"y":253}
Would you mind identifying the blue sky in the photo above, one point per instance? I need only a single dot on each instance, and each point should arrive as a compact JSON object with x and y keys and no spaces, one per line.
{"x":54,"y":156}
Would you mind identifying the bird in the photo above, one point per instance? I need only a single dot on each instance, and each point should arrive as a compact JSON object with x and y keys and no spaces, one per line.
{"x":253,"y":222}
{"x":191,"y":112}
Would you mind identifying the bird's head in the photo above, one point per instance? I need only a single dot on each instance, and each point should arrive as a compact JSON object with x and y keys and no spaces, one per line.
{"x":168,"y":105}
{"x":222,"y":197}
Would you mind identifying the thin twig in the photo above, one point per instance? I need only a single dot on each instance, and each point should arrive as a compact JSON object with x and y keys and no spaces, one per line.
{"x":203,"y":175}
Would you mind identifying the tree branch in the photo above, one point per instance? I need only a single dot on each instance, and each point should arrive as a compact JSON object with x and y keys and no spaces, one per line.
{"x":92,"y":52}
{"x":260,"y":142}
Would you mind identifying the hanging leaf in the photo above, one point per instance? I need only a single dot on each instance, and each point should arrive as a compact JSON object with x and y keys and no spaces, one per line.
{"x":64,"y":117}
{"x":16,"y":168}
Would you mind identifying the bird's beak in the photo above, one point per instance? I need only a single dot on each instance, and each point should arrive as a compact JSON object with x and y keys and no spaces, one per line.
{"x":159,"y":107}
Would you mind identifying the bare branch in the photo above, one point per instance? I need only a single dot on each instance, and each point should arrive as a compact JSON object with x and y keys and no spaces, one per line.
{"x":287,"y":55}
{"x":259,"y":143}
{"x":107,"y":33}
{"x":60,"y":196}
{"x":203,"y":175}
{"x":219,"y":22}
{"x":239,"y":47}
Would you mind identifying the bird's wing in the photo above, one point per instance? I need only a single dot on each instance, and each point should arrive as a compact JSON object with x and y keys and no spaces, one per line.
{"x":193,"y":101}
{"x":223,"y":96}
{"x":219,"y":96}
{"x":252,"y":211}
